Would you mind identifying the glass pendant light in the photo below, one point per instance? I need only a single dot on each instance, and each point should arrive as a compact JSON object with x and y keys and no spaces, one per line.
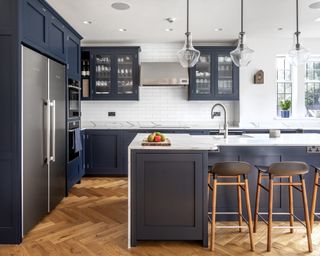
{"x":298,"y":55}
{"x":242,"y":55}
{"x":188,"y":56}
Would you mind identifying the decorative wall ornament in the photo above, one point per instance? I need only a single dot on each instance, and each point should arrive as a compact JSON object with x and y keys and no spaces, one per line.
{"x":259,"y":77}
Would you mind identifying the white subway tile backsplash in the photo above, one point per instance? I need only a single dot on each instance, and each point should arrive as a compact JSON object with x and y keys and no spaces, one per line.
{"x":156,"y":104}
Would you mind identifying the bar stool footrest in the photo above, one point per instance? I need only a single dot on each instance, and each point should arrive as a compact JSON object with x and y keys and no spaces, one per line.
{"x":282,"y":213}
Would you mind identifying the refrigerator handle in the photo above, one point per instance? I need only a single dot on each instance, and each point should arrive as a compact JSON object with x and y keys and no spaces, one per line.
{"x":47,"y":134}
{"x":53,"y":113}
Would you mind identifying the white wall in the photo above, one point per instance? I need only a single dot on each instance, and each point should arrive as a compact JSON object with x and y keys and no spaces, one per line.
{"x":258,"y":102}
{"x":156,"y":104}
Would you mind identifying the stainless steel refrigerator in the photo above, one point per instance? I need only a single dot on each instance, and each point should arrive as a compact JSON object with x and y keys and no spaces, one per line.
{"x":43,"y":136}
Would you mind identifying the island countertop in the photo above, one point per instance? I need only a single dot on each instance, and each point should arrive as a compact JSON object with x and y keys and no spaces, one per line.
{"x":212,"y":142}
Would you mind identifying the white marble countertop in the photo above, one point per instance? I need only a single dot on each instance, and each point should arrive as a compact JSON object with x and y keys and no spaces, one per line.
{"x":212,"y":142}
{"x":137,"y":125}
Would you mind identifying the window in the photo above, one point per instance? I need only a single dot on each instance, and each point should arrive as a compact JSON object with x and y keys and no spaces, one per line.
{"x":312,"y":87}
{"x":284,"y":81}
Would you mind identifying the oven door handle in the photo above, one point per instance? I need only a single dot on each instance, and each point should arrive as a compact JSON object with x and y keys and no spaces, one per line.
{"x":74,"y":87}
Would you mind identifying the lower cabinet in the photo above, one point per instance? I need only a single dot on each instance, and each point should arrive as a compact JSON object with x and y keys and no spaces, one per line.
{"x":169,"y":199}
{"x":104,"y":153}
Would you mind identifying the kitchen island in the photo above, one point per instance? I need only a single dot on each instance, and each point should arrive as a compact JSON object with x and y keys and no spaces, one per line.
{"x":168,"y":184}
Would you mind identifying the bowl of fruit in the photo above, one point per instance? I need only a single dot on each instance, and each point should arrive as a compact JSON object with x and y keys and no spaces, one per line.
{"x":156,"y":139}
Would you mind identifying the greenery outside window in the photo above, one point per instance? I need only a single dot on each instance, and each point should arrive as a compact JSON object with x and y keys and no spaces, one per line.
{"x":312,"y":87}
{"x":284,"y":81}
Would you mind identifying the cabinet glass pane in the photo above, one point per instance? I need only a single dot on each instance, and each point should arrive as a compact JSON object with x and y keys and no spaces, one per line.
{"x":103,"y":74}
{"x":203,"y":75}
{"x":224,"y":75}
{"x":125,"y":76}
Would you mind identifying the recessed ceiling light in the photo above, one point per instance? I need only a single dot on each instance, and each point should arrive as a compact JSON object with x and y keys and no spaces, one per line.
{"x":87,"y":22}
{"x":218,"y":29}
{"x":280,"y":28}
{"x":120,"y":6}
{"x":317,"y":19}
{"x":171,"y":19}
{"x":122,"y":29}
{"x":169,"y":29}
{"x":315,"y":5}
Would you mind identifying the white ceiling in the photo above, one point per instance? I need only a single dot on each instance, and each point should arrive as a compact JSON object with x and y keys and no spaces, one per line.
{"x":145,"y":20}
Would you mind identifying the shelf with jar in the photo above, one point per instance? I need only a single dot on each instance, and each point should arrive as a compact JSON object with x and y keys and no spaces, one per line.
{"x":85,"y":74}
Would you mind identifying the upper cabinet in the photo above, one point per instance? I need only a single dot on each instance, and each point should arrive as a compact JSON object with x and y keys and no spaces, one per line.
{"x":46,"y":31}
{"x":110,"y":73}
{"x":35,"y":23}
{"x":56,"y":37}
{"x":73,"y":55}
{"x":214,"y":77}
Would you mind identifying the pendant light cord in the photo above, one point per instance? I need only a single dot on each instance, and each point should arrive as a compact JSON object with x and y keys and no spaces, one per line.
{"x":297,"y":23}
{"x":187,"y":16}
{"x":188,"y":32}
{"x":241,"y":16}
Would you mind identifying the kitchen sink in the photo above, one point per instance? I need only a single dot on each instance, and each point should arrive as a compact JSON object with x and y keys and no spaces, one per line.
{"x":237,"y":136}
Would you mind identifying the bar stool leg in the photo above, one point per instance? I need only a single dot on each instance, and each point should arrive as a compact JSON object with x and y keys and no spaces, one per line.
{"x":258,"y":191}
{"x":213,"y":221}
{"x":239,"y":202}
{"x":291,"y":204}
{"x":249,"y":212}
{"x":270,"y":212}
{"x":209,"y":182}
{"x":314,"y":199}
{"x":306,"y":212}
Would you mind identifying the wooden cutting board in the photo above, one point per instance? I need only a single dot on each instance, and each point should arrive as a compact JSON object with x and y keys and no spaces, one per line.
{"x":145,"y":142}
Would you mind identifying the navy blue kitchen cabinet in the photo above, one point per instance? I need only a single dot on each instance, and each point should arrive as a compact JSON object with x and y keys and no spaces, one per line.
{"x":214,"y":77}
{"x":27,"y":22}
{"x":113,"y":73}
{"x":57,"y":37}
{"x":104,"y":149}
{"x":35,"y":23}
{"x":168,"y":197}
{"x":73,"y":55}
{"x":44,"y":30}
{"x":73,"y":173}
{"x":10,"y":128}
{"x":82,"y":161}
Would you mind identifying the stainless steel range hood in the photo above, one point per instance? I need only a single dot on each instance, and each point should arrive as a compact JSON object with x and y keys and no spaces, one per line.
{"x":163,"y":74}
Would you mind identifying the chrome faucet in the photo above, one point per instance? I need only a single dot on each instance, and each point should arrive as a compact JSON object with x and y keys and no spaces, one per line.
{"x":225,"y":117}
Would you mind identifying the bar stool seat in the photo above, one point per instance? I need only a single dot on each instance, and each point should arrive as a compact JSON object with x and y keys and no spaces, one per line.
{"x":283,"y":170}
{"x":230,"y":170}
{"x":288,"y":168}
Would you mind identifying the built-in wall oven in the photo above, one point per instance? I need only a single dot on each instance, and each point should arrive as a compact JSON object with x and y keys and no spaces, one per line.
{"x":73,"y":151}
{"x":74,"y":99}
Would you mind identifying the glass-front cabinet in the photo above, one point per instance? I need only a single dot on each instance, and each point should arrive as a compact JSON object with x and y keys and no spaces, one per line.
{"x":114,"y":73}
{"x":214,"y":77}
{"x":103,"y":73}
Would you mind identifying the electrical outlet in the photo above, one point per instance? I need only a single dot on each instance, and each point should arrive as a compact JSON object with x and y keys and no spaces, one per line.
{"x":111,"y":113}
{"x":313,"y":150}
{"x":218,"y":113}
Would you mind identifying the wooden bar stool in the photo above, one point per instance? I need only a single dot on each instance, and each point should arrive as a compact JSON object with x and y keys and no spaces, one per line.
{"x":230,"y":170}
{"x":316,"y":185}
{"x":283,"y":170}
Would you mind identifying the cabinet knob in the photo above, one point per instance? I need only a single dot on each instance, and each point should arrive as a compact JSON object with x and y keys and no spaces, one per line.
{"x":43,"y":9}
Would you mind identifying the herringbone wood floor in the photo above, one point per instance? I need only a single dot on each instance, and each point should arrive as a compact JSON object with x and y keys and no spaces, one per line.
{"x":93,"y":221}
